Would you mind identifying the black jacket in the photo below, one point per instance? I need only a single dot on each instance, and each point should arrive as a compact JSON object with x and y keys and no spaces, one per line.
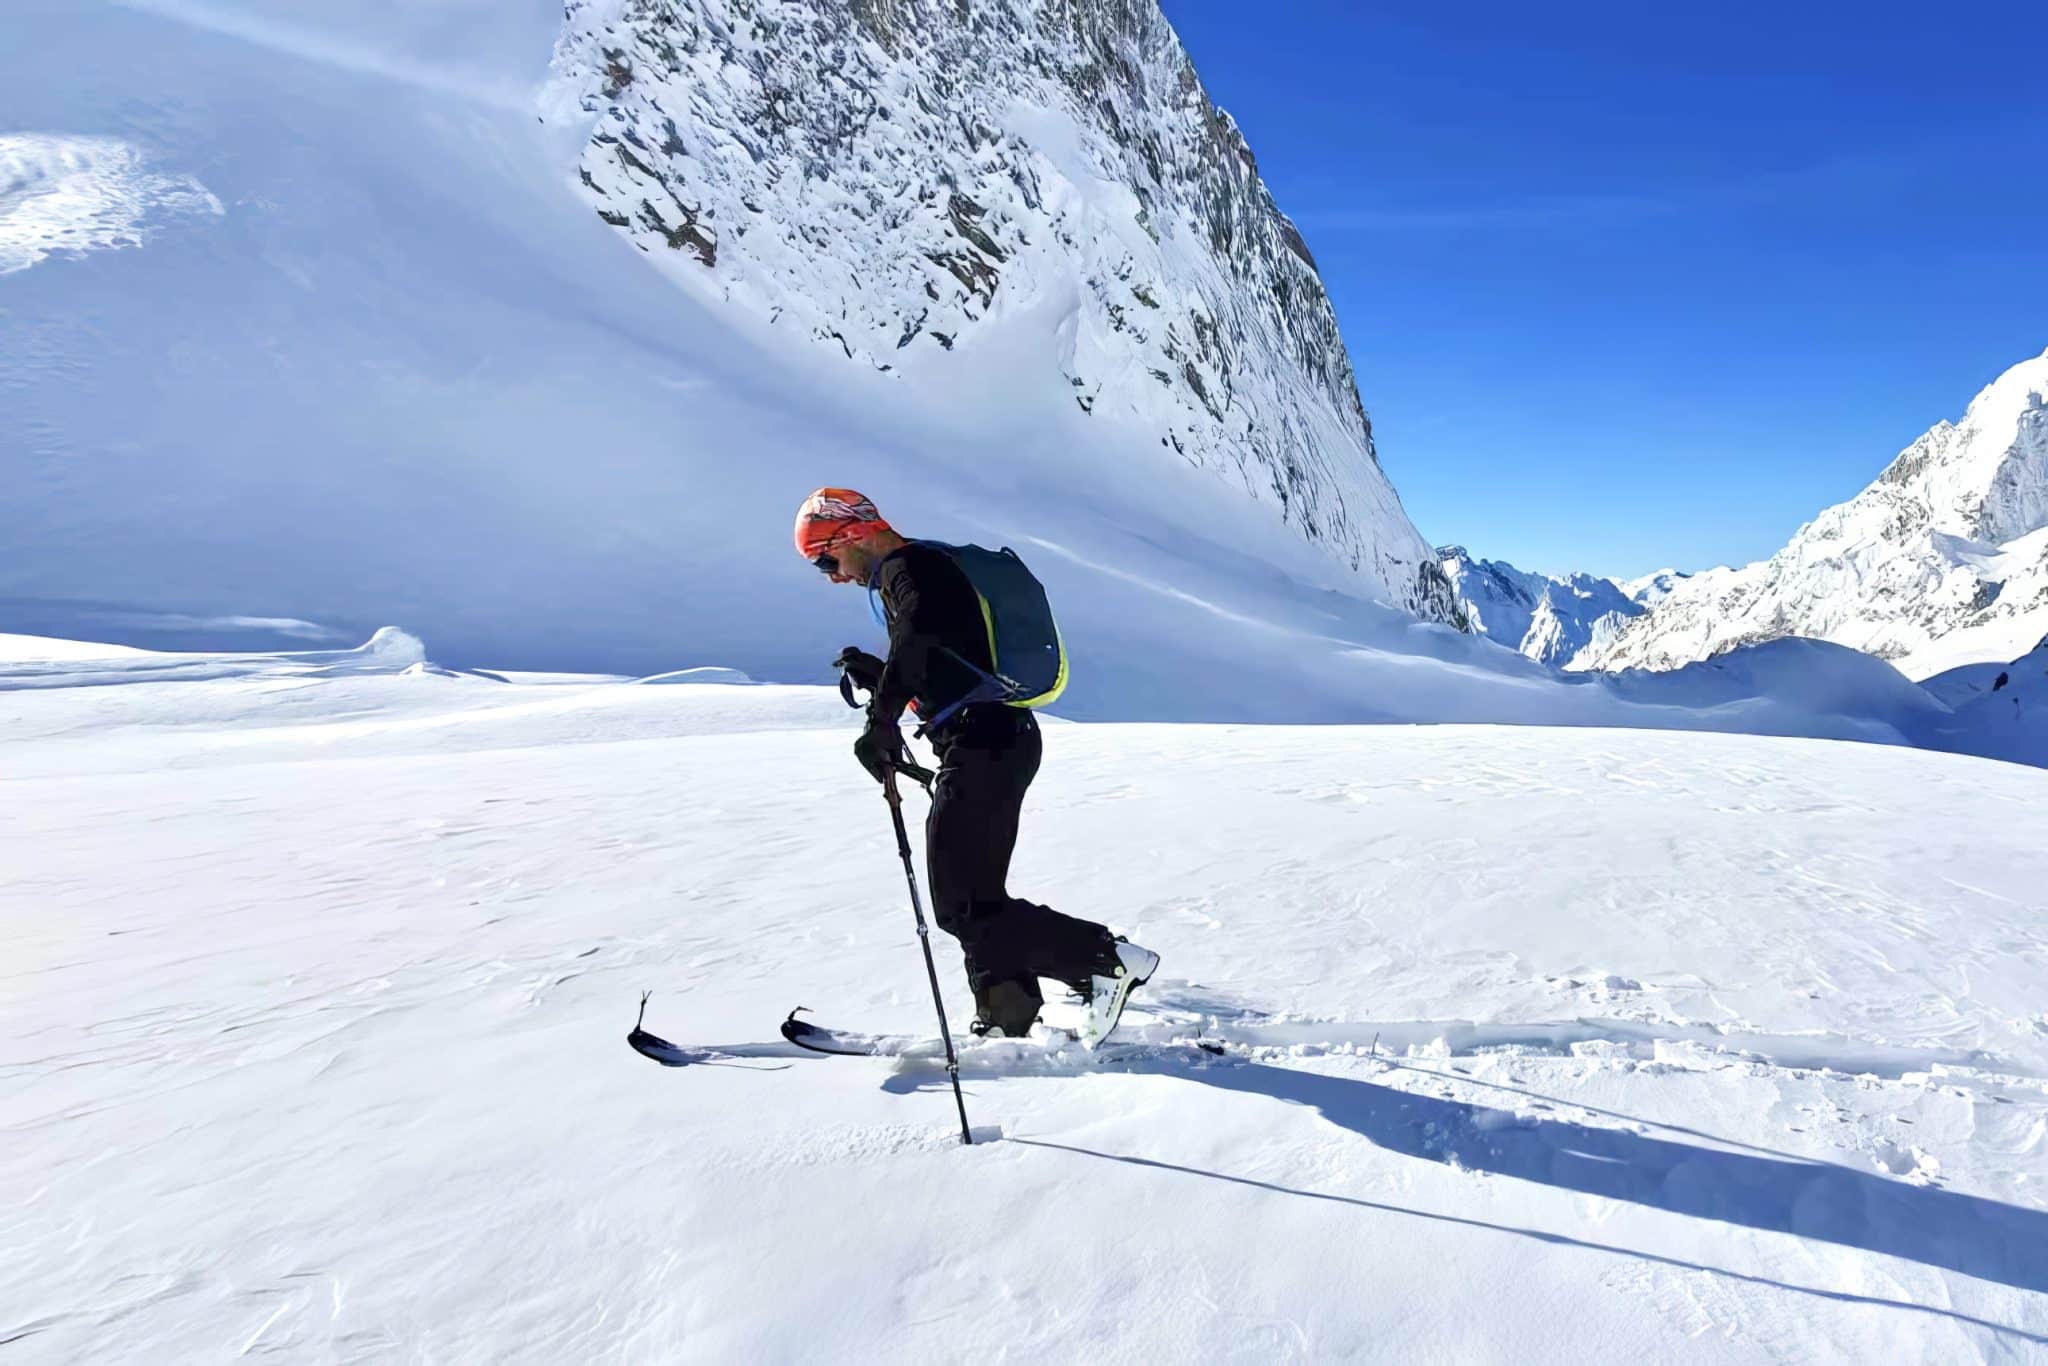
{"x":938,"y":641}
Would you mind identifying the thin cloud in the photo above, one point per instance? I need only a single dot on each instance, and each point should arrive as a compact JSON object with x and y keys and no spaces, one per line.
{"x":1878,"y":172}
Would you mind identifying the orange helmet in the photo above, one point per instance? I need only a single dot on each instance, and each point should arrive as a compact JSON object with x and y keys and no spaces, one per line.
{"x":831,"y":518}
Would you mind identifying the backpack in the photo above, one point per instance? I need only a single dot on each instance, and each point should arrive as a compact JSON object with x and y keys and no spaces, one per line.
{"x":1023,"y":640}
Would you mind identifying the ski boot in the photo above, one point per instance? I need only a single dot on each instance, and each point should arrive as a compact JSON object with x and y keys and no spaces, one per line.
{"x":1005,"y":1010}
{"x":1133,"y":967}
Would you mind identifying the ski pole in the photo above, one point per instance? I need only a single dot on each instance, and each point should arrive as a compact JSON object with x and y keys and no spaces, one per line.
{"x":924,"y":939}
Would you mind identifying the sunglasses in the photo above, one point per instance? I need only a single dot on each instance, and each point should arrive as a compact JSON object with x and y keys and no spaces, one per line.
{"x":827,"y":563}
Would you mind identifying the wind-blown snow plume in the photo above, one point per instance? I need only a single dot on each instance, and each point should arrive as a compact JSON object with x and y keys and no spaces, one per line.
{"x":918,"y":187}
{"x":1943,"y":561}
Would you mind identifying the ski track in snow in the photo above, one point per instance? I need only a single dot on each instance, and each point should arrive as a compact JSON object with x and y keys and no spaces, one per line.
{"x":1545,"y":1044}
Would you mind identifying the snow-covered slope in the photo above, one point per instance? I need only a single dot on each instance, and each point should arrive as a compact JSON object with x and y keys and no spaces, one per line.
{"x":1025,"y":197}
{"x":1547,"y":1045}
{"x":1544,"y":616}
{"x":2000,"y":709}
{"x":1942,"y":562}
{"x":34,"y":662}
{"x":426,"y":384}
{"x":407,"y":374}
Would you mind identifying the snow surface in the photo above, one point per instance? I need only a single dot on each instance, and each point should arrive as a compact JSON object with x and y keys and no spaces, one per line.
{"x":26,"y":662}
{"x":74,"y":195}
{"x":2002,"y":708}
{"x":1553,"y":1045}
{"x":36,"y":649}
{"x":319,"y":958}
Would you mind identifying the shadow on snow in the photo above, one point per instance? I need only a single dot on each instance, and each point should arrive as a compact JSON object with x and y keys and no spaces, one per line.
{"x":1976,"y":1237}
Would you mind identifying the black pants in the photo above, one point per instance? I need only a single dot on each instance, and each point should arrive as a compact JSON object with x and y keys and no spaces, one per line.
{"x":985,"y":765}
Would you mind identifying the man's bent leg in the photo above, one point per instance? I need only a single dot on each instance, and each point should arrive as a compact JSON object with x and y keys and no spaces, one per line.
{"x":1046,"y":943}
{"x":968,"y":838}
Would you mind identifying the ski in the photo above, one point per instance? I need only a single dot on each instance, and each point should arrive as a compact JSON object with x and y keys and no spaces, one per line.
{"x":1060,"y":1044}
{"x":845,"y":1043}
{"x":651,"y":1045}
{"x":1050,"y":1047}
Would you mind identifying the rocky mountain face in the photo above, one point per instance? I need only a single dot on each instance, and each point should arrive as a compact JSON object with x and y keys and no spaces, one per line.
{"x":1942,"y":562}
{"x":1547,"y":617}
{"x":1040,"y":189}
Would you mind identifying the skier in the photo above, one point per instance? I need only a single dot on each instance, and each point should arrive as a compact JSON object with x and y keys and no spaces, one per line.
{"x":943,"y":647}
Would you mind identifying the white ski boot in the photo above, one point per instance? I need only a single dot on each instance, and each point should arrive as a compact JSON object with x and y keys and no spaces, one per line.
{"x":1107,"y":995}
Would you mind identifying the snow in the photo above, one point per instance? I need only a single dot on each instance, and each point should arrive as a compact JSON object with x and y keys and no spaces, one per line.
{"x":2020,"y":570}
{"x":1076,"y":236}
{"x":1628,"y":1038}
{"x":73,"y":664}
{"x":409,"y":376}
{"x":462,"y":404}
{"x":2000,"y":710}
{"x":1942,"y":562}
{"x":74,"y":195}
{"x":1550,"y":618}
{"x":1654,"y":587}
{"x":42,"y":648}
{"x":1553,"y":1044}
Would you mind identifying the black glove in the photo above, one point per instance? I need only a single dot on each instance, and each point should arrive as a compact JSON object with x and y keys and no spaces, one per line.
{"x":858,"y":669}
{"x":880,"y":748}
{"x":863,"y":668}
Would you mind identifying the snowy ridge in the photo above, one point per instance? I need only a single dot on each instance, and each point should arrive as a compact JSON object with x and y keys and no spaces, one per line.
{"x":2000,"y":709}
{"x":70,"y":664}
{"x":1654,"y":587}
{"x":1546,"y":617}
{"x":1943,"y":561}
{"x":1039,"y":195}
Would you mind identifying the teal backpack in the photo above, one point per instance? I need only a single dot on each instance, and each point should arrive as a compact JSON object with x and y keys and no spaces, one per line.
{"x":1023,"y":639}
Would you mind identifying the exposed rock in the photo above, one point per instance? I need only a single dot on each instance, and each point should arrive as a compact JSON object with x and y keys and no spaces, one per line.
{"x":929,"y":168}
{"x":1546,"y":617}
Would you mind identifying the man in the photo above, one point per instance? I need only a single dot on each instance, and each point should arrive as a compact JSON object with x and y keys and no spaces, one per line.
{"x":941,"y":662}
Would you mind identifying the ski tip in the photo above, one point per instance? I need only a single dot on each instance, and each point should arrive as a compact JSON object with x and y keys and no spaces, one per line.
{"x":660,"y":1049}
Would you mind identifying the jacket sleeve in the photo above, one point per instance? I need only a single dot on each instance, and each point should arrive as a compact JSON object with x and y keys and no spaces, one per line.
{"x":912,"y":639}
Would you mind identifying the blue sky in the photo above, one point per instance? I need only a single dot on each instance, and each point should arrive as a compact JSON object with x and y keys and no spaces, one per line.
{"x":1632,"y":285}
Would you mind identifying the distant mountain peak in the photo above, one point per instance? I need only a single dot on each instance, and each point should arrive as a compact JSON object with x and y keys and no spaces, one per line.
{"x":1941,"y":561}
{"x":1547,"y":617}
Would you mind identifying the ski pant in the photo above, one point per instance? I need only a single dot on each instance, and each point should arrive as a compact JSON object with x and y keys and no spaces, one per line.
{"x":1009,"y":943}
